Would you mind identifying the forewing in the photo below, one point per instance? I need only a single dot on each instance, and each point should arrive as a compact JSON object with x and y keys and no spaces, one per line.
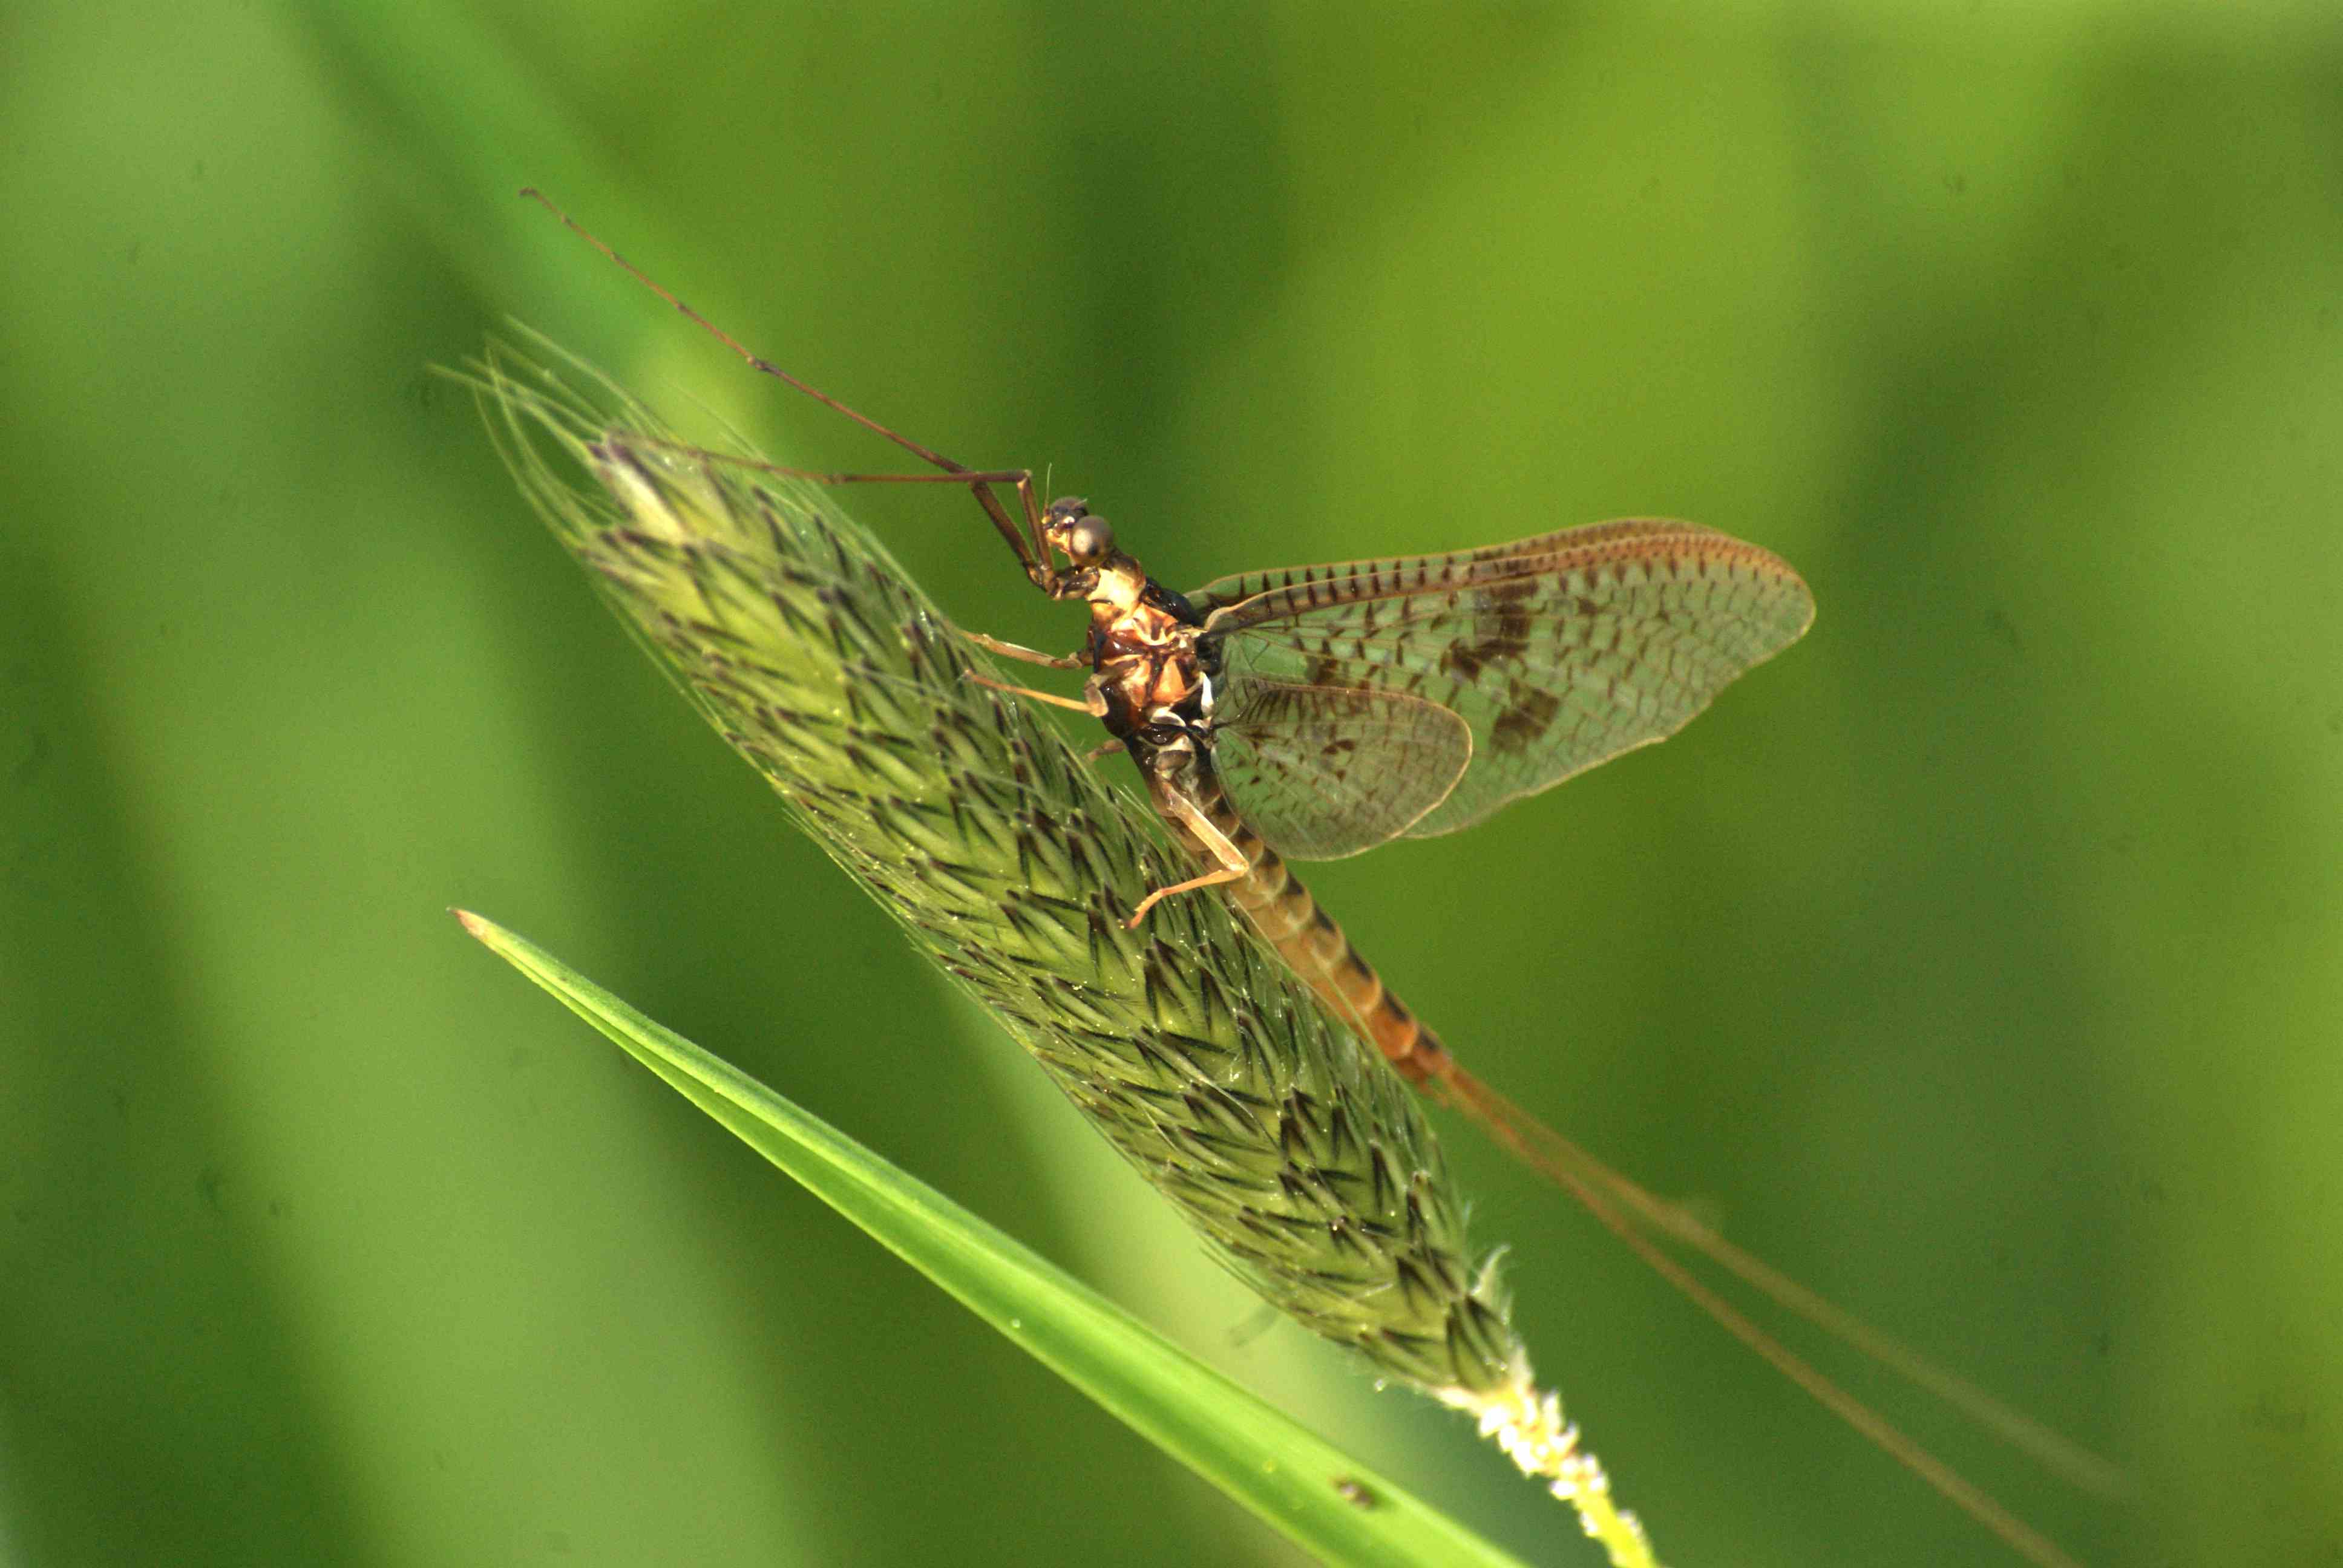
{"x":1558,"y":652}
{"x":1222,"y":592}
{"x":1322,"y":772}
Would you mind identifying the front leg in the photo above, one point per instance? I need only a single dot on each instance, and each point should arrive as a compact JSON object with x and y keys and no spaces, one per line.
{"x":1026,"y":654}
{"x":1092,"y":703}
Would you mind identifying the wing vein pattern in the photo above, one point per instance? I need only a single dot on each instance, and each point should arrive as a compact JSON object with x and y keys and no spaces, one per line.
{"x":1556,"y":652}
{"x":1325,"y":772}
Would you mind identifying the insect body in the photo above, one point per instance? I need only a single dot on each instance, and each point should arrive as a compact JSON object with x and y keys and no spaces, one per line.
{"x":1316,"y":712}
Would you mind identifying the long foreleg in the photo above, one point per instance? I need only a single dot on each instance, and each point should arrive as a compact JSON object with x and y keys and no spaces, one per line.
{"x":1027,"y":655}
{"x":1094,"y":705}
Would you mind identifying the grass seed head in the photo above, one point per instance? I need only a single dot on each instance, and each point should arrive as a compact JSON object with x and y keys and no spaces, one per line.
{"x":1300,"y":1159}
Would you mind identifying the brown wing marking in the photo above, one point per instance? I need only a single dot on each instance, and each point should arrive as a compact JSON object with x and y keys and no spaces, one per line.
{"x":1559,"y":652}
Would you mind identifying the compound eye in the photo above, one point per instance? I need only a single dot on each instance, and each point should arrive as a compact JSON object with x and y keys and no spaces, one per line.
{"x":1089,"y":540}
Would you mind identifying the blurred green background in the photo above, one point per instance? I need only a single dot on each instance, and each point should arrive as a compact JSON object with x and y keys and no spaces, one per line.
{"x":1978,"y":961}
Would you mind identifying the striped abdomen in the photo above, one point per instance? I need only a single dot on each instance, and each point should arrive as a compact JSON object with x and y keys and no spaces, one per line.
{"x":1312,"y":946}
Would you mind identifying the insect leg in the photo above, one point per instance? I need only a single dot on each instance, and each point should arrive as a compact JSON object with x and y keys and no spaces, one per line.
{"x":978,"y":480}
{"x":1028,"y":544}
{"x":1027,"y":654}
{"x":1092,"y":706}
{"x":1233,"y":864}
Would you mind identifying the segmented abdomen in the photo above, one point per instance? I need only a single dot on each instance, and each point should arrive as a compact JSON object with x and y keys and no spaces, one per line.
{"x":1312,"y":946}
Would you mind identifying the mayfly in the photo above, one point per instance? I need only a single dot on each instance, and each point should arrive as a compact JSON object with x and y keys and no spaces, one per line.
{"x":1315,"y":712}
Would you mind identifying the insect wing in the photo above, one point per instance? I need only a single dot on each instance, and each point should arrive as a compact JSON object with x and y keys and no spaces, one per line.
{"x":1559,"y":652}
{"x":1322,"y":772}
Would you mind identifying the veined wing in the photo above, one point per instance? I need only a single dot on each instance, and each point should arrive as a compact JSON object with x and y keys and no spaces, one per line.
{"x":1322,"y":772}
{"x":1558,"y":652}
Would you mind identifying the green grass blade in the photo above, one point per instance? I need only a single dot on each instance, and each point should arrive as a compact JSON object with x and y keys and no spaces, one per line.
{"x":1282,"y":1472}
